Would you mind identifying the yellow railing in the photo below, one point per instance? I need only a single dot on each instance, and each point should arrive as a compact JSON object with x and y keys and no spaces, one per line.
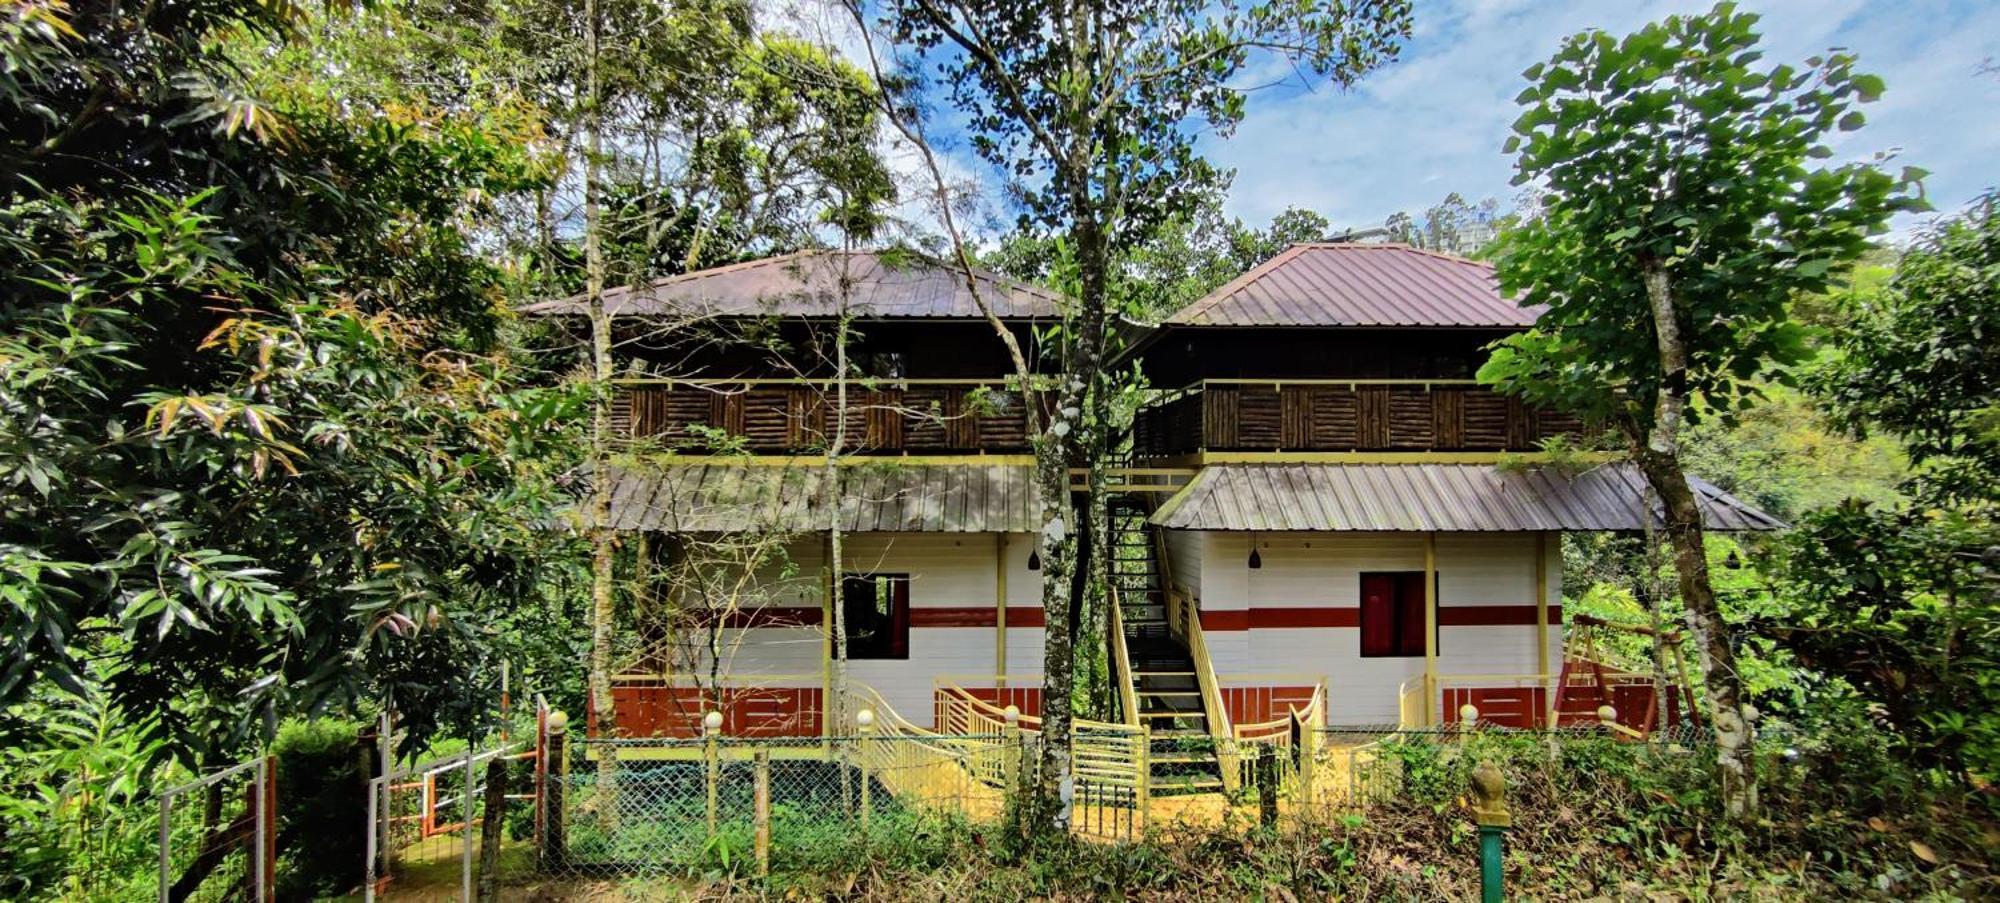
{"x":1128,"y":696}
{"x":1184,"y":620}
{"x":1414,"y":692}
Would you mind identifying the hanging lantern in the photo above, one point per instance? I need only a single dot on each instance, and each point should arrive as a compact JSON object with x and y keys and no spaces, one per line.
{"x":1256,"y":560}
{"x":1035,"y":560}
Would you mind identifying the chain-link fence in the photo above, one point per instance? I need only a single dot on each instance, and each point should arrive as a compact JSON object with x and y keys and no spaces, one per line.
{"x":218,"y":838}
{"x":659,"y":806}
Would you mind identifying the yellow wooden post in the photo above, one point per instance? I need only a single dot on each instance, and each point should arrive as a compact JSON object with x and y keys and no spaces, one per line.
{"x":1142,"y":760}
{"x":1430,"y":630}
{"x":762,"y":812}
{"x":865,"y":720}
{"x":711,"y":730}
{"x":1542,"y":614}
{"x":1000,"y":609}
{"x":828,"y":712}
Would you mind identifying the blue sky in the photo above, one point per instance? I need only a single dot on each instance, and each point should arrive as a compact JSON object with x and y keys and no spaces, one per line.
{"x":1433,"y":122}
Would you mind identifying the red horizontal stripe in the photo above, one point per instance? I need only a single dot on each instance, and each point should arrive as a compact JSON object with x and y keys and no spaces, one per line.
{"x":953,"y":617}
{"x":772,"y":617}
{"x":1344,"y":616}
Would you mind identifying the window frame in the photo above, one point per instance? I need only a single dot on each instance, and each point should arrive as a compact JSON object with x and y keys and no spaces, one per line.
{"x":896,"y":646}
{"x":1400,"y":632}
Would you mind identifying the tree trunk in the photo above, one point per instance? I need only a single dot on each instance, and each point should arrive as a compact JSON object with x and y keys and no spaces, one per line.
{"x":603,"y":540}
{"x":1659,"y":460}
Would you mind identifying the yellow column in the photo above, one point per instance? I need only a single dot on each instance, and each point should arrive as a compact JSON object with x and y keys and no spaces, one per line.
{"x":829,"y":581}
{"x":1000,"y":608}
{"x":1542,"y":603}
{"x":1430,"y":629}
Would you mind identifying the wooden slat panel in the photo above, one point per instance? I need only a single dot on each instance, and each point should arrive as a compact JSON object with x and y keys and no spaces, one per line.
{"x":1486,"y":420}
{"x":962,"y":430}
{"x":1410,"y":424}
{"x":885,"y":422}
{"x":1448,"y":418}
{"x":1259,"y":418}
{"x":1219,"y":418}
{"x":1521,"y":431}
{"x":926,"y":411}
{"x":1372,"y":417}
{"x":1551,"y":423}
{"x":767,"y":423}
{"x":1336,"y":420}
{"x":1297,"y":427}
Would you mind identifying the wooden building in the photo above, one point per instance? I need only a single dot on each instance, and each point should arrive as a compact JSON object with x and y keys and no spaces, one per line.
{"x":1324,"y":511}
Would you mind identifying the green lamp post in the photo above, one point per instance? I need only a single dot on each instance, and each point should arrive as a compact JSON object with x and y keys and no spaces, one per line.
{"x":1489,"y":809}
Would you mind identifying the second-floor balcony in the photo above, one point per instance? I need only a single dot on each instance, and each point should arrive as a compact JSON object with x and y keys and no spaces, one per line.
{"x":883,"y":416}
{"x":1245,"y":415}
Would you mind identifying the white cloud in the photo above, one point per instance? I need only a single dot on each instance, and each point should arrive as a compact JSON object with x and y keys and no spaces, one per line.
{"x":1435,"y":120}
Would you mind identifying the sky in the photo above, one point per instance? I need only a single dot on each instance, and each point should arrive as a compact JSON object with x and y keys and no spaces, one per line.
{"x":1433,"y":121}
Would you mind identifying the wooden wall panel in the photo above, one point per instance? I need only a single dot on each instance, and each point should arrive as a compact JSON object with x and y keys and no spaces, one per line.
{"x":1410,"y":426}
{"x":1259,"y":423}
{"x":1335,"y":419}
{"x":1372,"y":417}
{"x":1485,"y":420}
{"x":1219,"y":418}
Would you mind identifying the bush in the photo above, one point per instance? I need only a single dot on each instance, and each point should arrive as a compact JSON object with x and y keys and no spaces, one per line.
{"x":322,"y":808}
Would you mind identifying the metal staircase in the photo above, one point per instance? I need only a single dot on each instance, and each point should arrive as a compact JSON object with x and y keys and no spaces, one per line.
{"x":1165,"y":687}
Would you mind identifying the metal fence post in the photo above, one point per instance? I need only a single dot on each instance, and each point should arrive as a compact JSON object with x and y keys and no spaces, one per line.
{"x":762,"y":812}
{"x":374,"y":818}
{"x":166,"y":843}
{"x":465,"y":828}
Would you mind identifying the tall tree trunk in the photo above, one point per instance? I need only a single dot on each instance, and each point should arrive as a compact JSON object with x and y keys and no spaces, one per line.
{"x":1659,"y":460}
{"x":831,"y":493}
{"x":603,"y":540}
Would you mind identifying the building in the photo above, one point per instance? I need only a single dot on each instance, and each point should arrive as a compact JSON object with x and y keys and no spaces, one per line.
{"x":1325,"y":516}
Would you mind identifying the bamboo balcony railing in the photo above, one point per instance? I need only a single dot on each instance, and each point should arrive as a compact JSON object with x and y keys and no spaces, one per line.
{"x":1305,"y":415}
{"x":779,"y":415}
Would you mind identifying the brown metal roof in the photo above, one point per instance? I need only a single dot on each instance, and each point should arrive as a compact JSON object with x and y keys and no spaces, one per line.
{"x":885,"y":497}
{"x":1431,"y":497}
{"x":807,"y":284}
{"x":1348,"y":284}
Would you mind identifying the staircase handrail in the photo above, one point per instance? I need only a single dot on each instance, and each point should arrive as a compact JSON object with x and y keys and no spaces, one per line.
{"x":1128,"y":697}
{"x":1181,"y":612}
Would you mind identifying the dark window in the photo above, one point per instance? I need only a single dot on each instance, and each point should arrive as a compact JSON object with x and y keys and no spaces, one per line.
{"x":1392,"y":613}
{"x":877,"y":608}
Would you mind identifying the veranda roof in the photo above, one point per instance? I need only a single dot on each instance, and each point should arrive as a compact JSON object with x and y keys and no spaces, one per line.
{"x":887,"y":497}
{"x":809,"y":284}
{"x":1432,"y":497}
{"x":1351,"y":284}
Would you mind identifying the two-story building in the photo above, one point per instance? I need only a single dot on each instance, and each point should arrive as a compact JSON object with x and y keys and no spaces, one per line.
{"x":1323,"y":510}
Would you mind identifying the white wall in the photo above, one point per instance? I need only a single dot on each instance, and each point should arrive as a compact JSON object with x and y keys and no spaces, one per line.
{"x":947,"y":571}
{"x":1322,"y":571}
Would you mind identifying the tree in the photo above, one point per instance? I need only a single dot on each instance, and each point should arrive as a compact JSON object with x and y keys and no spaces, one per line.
{"x":1089,"y":111}
{"x":1922,"y":359}
{"x":1683,"y":212}
{"x":264,"y":449}
{"x":1452,"y":226}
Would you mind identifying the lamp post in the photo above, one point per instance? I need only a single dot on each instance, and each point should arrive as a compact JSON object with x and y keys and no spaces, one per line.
{"x":1489,"y":809}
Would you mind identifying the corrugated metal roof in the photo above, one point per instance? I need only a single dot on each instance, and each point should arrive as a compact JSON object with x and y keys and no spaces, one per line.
{"x":1431,"y":497}
{"x":1349,"y":284}
{"x":807,"y":284}
{"x":880,"y":498}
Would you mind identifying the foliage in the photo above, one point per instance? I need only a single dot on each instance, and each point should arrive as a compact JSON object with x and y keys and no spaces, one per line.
{"x":1922,"y":360}
{"x":1671,"y":152}
{"x":264,"y":451}
{"x":74,"y":781}
{"x":1452,"y":226}
{"x":1901,"y":606}
{"x":322,"y":797}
